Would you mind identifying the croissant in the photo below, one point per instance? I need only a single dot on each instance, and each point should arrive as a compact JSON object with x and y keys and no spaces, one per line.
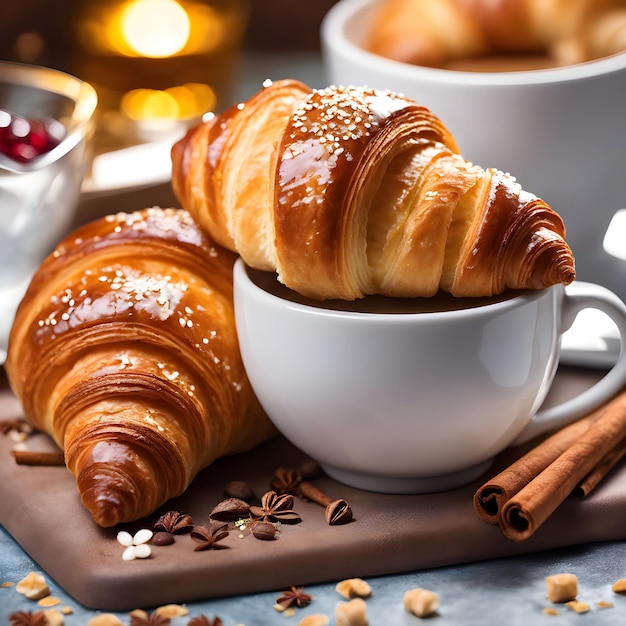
{"x":124,"y":351}
{"x":347,"y":191}
{"x":429,"y":33}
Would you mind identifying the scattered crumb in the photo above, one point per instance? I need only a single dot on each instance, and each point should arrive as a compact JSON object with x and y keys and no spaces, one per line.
{"x":105,"y":619}
{"x":353,"y":588}
{"x":619,"y":586}
{"x":317,"y":619}
{"x":577,"y":606}
{"x":67,"y":610}
{"x":172,"y":610}
{"x":48,"y":601}
{"x":602,"y":604}
{"x":8,"y":583}
{"x":562,"y":587}
{"x":54,"y":617}
{"x":290,"y":612}
{"x":18,"y":437}
{"x":550,"y":611}
{"x":352,"y":613}
{"x":33,"y":586}
{"x":139,"y":614}
{"x":421,"y":602}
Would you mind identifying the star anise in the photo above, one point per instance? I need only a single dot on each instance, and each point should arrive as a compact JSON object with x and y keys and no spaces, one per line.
{"x":276,"y":508}
{"x":175,"y":523}
{"x":203,"y":620}
{"x":28,"y":618}
{"x":141,"y":618}
{"x":294,"y":596}
{"x":286,"y":481}
{"x":208,"y":538}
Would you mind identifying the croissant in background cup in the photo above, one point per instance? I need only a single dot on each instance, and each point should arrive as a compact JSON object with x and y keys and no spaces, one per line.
{"x":560,"y":131}
{"x":412,"y":396}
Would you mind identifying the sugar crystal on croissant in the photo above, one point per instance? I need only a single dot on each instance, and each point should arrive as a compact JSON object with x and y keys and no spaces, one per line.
{"x":124,"y":351}
{"x":349,"y":191}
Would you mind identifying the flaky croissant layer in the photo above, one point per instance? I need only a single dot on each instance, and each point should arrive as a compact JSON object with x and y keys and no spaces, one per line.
{"x":347,"y":191}
{"x":124,"y":350}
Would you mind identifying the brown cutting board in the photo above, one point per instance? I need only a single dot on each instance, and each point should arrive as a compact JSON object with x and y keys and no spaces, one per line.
{"x":390,"y":534}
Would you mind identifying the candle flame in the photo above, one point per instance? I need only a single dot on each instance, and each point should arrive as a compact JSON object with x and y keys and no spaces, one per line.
{"x":155,"y":28}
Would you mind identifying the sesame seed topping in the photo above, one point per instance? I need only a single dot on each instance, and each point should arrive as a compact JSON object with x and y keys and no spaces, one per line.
{"x":338,"y":117}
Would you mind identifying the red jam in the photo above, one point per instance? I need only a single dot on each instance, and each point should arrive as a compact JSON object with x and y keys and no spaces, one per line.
{"x":23,"y":139}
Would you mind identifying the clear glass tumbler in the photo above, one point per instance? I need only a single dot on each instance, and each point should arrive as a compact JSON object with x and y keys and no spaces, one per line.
{"x":38,"y":199}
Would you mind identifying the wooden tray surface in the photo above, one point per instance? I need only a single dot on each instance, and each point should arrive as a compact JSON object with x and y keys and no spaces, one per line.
{"x":40,"y":508}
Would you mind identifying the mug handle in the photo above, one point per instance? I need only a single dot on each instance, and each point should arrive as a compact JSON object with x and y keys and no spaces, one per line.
{"x":578,"y":296}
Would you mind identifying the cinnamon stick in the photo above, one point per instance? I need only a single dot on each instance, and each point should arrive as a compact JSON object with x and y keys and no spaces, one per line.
{"x":527,"y":510}
{"x":492,"y":495}
{"x":32,"y":457}
{"x":610,"y":460}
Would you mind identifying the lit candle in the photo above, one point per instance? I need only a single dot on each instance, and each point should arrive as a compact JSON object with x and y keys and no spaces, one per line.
{"x":158,"y":65}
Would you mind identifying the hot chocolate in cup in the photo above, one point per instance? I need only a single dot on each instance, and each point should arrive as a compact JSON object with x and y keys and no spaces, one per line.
{"x":560,"y":131}
{"x":413,"y":396}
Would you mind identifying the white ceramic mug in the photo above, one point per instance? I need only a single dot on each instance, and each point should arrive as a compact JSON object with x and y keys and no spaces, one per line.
{"x":411,"y":402}
{"x":561,"y":132}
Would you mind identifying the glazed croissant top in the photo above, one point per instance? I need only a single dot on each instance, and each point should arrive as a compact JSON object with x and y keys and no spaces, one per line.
{"x":348,"y":191}
{"x":124,"y":350}
{"x":430,"y":33}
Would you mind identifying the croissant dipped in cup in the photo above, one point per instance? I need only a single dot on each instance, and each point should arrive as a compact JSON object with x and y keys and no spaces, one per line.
{"x":124,"y":350}
{"x":347,"y":192}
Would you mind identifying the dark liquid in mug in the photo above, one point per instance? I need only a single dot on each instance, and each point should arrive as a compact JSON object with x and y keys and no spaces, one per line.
{"x":377,"y":304}
{"x":503,"y":63}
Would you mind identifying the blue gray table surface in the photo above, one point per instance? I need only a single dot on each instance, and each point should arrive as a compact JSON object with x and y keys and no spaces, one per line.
{"x":508,"y":591}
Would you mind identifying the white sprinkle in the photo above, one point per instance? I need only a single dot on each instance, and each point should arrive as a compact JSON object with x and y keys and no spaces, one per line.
{"x":142,"y":536}
{"x":136,"y":547}
{"x":129,"y":554}
{"x":142,"y":551}
{"x":124,"y":538}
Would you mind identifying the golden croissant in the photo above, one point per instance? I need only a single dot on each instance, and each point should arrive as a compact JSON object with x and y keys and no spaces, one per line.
{"x":124,"y":350}
{"x":347,"y":191}
{"x":430,"y":33}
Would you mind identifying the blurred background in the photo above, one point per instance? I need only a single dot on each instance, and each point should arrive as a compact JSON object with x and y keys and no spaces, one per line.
{"x":125,"y":45}
{"x":39,"y":31}
{"x":158,"y":65}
